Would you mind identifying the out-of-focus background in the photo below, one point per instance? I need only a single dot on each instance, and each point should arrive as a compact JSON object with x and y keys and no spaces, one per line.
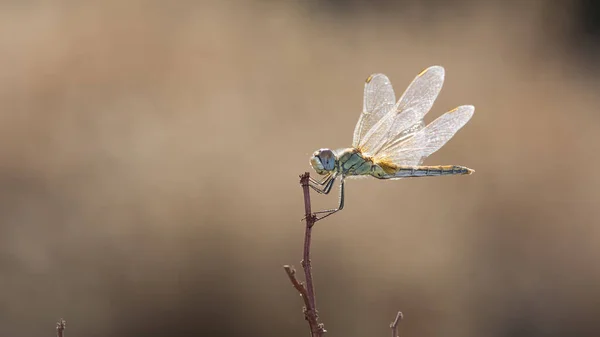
{"x":150,"y":154}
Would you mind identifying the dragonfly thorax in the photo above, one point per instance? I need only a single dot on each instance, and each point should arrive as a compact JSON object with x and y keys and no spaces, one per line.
{"x":323,"y":161}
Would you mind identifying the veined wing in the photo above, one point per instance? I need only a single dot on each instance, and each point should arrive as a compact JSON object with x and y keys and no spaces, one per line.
{"x":412,"y":151}
{"x":378,"y":100}
{"x":406,"y":118}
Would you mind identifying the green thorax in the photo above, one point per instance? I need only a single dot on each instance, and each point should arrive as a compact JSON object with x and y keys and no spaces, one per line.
{"x":351,"y":162}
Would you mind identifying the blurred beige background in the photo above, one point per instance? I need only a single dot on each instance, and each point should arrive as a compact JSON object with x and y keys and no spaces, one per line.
{"x":150,"y":157}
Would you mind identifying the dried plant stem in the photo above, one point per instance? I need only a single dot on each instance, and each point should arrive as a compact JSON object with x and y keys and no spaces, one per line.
{"x":394,"y":325}
{"x":60,"y":328}
{"x":310,"y":222}
{"x":307,"y":291}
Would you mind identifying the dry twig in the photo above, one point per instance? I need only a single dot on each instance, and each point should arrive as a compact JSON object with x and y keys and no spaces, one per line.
{"x":394,"y":325}
{"x":307,"y":291}
{"x":60,"y":328}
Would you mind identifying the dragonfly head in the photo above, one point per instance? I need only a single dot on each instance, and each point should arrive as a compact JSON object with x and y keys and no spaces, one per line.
{"x":323,"y":161}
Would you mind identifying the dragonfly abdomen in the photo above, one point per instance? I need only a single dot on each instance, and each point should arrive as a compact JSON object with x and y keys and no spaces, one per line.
{"x":430,"y":171}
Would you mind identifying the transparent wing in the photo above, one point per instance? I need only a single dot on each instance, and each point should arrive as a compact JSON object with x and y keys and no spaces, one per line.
{"x":406,"y":118}
{"x":378,"y":100}
{"x":412,"y":151}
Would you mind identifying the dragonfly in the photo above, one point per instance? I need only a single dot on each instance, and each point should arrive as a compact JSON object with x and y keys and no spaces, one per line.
{"x":391,"y":140}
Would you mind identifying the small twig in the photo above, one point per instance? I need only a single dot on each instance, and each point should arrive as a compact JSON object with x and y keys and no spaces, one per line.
{"x":394,"y":324}
{"x":60,"y":328}
{"x":297,"y":284}
{"x":307,"y":291}
{"x":310,"y":222}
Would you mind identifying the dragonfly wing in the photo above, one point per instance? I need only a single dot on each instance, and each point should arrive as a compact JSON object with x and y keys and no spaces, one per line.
{"x":406,"y":118}
{"x":412,"y":151}
{"x":378,"y":100}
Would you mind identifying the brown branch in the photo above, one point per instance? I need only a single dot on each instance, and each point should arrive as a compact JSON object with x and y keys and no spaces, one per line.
{"x":310,"y":222}
{"x":394,"y":324}
{"x":297,"y":284}
{"x":307,"y":292}
{"x":60,"y":328}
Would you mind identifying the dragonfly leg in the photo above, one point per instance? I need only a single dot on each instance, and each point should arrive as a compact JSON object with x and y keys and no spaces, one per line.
{"x":328,"y":185}
{"x":340,"y":207}
{"x":324,"y":190}
{"x":322,"y":182}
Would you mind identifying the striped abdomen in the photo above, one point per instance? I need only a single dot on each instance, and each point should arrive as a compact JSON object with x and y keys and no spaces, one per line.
{"x":428,"y":171}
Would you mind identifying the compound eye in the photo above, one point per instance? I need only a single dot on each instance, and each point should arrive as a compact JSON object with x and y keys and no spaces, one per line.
{"x":327,"y":159}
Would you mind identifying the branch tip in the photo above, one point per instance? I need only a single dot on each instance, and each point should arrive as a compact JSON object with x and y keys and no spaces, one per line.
{"x":304,"y":178}
{"x":399,"y":317}
{"x":291,"y":272}
{"x":61,"y":325}
{"x":394,"y":325}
